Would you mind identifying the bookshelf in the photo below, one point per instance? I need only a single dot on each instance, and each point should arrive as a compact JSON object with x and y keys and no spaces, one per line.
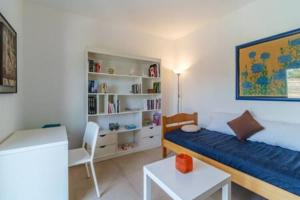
{"x":124,"y":98}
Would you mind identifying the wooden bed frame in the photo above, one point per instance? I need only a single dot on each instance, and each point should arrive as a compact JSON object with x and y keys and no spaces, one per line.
{"x":251,"y":183}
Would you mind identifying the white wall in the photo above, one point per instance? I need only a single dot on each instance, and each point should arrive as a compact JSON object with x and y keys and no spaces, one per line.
{"x":10,"y":115}
{"x":54,"y":45}
{"x":209,"y":84}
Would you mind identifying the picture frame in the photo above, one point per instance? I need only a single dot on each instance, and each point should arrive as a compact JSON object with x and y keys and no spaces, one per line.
{"x":8,"y":57}
{"x":269,"y":69}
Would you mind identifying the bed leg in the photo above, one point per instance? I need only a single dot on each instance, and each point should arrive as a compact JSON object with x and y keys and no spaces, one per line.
{"x":164,"y":152}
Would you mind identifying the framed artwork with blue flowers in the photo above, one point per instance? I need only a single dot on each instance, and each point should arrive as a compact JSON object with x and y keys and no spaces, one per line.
{"x":269,"y":69}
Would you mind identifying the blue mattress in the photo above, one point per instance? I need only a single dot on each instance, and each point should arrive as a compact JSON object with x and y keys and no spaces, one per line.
{"x":273,"y":164}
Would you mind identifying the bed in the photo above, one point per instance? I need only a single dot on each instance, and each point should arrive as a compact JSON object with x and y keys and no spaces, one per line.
{"x":276,"y":178}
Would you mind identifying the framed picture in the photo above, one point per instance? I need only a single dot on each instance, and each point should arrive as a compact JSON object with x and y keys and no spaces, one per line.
{"x":269,"y":69}
{"x":8,"y":57}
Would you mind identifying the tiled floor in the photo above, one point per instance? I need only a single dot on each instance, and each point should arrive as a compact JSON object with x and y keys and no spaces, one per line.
{"x":122,"y":179}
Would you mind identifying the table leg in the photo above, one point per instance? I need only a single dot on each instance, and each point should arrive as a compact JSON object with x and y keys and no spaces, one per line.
{"x":147,"y":187}
{"x":226,"y":191}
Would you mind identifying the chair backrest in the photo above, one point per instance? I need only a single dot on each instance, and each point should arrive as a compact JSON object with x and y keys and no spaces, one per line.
{"x":90,"y":136}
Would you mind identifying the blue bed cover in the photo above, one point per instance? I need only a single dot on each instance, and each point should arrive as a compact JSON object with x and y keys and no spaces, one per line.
{"x":273,"y":164}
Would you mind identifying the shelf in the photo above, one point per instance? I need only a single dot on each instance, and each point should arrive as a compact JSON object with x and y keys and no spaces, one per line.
{"x":120,"y":113}
{"x":121,"y":130}
{"x":128,"y":94}
{"x":151,"y":110}
{"x":114,"y":75}
{"x":148,"y":77}
{"x":122,"y":75}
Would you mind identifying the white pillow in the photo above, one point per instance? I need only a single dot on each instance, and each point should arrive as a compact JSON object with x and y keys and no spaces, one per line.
{"x":286,"y":135}
{"x":219,"y":121}
{"x":190,"y":128}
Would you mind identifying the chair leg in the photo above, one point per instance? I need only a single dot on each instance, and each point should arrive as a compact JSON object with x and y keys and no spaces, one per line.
{"x":95,"y":179}
{"x":87,"y":170}
{"x":164,"y":152}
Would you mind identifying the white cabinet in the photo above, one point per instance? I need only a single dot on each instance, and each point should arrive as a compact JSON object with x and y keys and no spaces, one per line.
{"x":34,"y":165}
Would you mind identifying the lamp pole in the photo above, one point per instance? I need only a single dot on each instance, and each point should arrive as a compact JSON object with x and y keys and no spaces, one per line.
{"x":178,"y":92}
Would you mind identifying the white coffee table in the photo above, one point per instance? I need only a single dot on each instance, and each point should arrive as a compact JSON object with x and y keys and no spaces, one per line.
{"x":199,"y":184}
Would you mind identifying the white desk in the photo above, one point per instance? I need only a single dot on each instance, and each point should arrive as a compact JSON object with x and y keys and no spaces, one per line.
{"x":34,"y":165}
{"x":199,"y":184}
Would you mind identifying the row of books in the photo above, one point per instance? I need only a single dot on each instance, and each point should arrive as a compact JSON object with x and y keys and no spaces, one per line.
{"x":92,"y":105}
{"x":114,"y":107}
{"x":152,"y":104}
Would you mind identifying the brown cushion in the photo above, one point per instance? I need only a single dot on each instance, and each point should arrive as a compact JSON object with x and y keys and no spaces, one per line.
{"x":245,"y":125}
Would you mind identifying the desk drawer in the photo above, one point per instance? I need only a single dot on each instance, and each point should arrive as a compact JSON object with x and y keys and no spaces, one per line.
{"x":150,"y":131}
{"x":105,"y":150}
{"x":150,"y":141}
{"x":110,"y":138}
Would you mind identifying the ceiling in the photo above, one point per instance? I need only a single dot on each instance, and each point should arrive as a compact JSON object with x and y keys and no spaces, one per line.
{"x":170,"y":19}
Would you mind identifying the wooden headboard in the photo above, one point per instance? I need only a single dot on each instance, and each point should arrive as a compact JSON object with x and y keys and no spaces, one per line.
{"x":177,"y":121}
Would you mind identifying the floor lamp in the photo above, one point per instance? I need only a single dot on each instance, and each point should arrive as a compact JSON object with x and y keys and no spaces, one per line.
{"x":178,"y":92}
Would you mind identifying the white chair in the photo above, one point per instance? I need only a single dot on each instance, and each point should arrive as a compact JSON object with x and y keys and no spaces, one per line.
{"x":82,"y":156}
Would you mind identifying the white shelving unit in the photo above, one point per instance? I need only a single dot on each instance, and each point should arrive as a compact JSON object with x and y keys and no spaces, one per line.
{"x":128,"y":108}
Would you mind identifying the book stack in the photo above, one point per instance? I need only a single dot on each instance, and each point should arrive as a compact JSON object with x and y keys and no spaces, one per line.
{"x":152,"y":104}
{"x":93,"y":86}
{"x":114,"y":107}
{"x":92,"y":105}
{"x":136,"y":88}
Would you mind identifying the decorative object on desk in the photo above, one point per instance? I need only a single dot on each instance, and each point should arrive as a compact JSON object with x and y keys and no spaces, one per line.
{"x":130,"y":126}
{"x":157,"y":119}
{"x":8,"y":57}
{"x":156,"y":87}
{"x":269,"y":69}
{"x":103,"y":87}
{"x":136,"y":88}
{"x":184,"y":163}
{"x":111,"y":70}
{"x":154,"y":70}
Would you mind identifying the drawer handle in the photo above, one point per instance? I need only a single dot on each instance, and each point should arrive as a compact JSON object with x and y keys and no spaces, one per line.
{"x":102,"y":135}
{"x":151,"y":137}
{"x":151,"y":127}
{"x":102,"y":146}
